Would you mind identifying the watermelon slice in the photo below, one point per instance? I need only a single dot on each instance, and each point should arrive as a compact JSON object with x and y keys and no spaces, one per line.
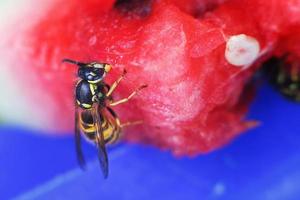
{"x":196,"y":57}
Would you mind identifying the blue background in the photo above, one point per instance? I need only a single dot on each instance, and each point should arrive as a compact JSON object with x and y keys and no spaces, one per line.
{"x":262,"y":164}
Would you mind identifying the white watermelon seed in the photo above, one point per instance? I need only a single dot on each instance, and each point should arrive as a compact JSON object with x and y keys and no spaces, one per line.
{"x":242,"y":50}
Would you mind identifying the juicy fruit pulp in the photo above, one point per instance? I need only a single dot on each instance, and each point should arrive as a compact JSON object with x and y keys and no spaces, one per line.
{"x":196,"y":100}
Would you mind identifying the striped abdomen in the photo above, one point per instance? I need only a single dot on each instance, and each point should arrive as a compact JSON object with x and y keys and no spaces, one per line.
{"x":109,"y":128}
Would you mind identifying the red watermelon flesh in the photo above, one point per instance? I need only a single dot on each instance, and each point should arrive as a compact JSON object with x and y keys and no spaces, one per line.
{"x":196,"y":99}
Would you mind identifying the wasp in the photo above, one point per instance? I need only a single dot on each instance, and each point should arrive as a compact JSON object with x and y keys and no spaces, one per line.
{"x":94,"y":117}
{"x":285,"y":76}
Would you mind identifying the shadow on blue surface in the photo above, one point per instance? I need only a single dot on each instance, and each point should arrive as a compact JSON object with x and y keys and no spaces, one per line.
{"x":262,"y":164}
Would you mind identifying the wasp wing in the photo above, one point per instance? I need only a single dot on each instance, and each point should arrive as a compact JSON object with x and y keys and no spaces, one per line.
{"x":79,"y":153}
{"x":100,"y":143}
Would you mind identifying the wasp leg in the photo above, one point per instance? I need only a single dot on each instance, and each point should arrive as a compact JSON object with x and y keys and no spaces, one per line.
{"x":115,"y":116}
{"x":132,"y":123}
{"x":127,"y":98}
{"x":79,"y":153}
{"x":115,"y":84}
{"x":100,"y":142}
{"x":107,"y":87}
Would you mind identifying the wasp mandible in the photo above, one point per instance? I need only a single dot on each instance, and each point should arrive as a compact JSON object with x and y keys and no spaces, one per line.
{"x":94,"y":117}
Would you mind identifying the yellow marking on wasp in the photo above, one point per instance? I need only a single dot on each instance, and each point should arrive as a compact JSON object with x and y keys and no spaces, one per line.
{"x":108,"y":132}
{"x":86,"y":124}
{"x":93,"y":88}
{"x":115,"y":138}
{"x":85,"y":105}
{"x":88,"y":129}
{"x":89,"y":65}
{"x":96,"y":81}
{"x":98,"y":65}
{"x":104,"y":124}
{"x":92,"y":73}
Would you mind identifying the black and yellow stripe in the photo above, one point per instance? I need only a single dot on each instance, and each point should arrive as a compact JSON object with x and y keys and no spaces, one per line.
{"x":110,"y":128}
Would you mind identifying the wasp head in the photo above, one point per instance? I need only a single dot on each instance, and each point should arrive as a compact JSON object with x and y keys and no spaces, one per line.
{"x":92,"y":72}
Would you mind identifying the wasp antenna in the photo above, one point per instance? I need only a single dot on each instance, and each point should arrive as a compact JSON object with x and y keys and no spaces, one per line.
{"x":69,"y":61}
{"x":73,"y":62}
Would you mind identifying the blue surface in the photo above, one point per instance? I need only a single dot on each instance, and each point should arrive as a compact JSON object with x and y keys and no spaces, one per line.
{"x":262,"y":164}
